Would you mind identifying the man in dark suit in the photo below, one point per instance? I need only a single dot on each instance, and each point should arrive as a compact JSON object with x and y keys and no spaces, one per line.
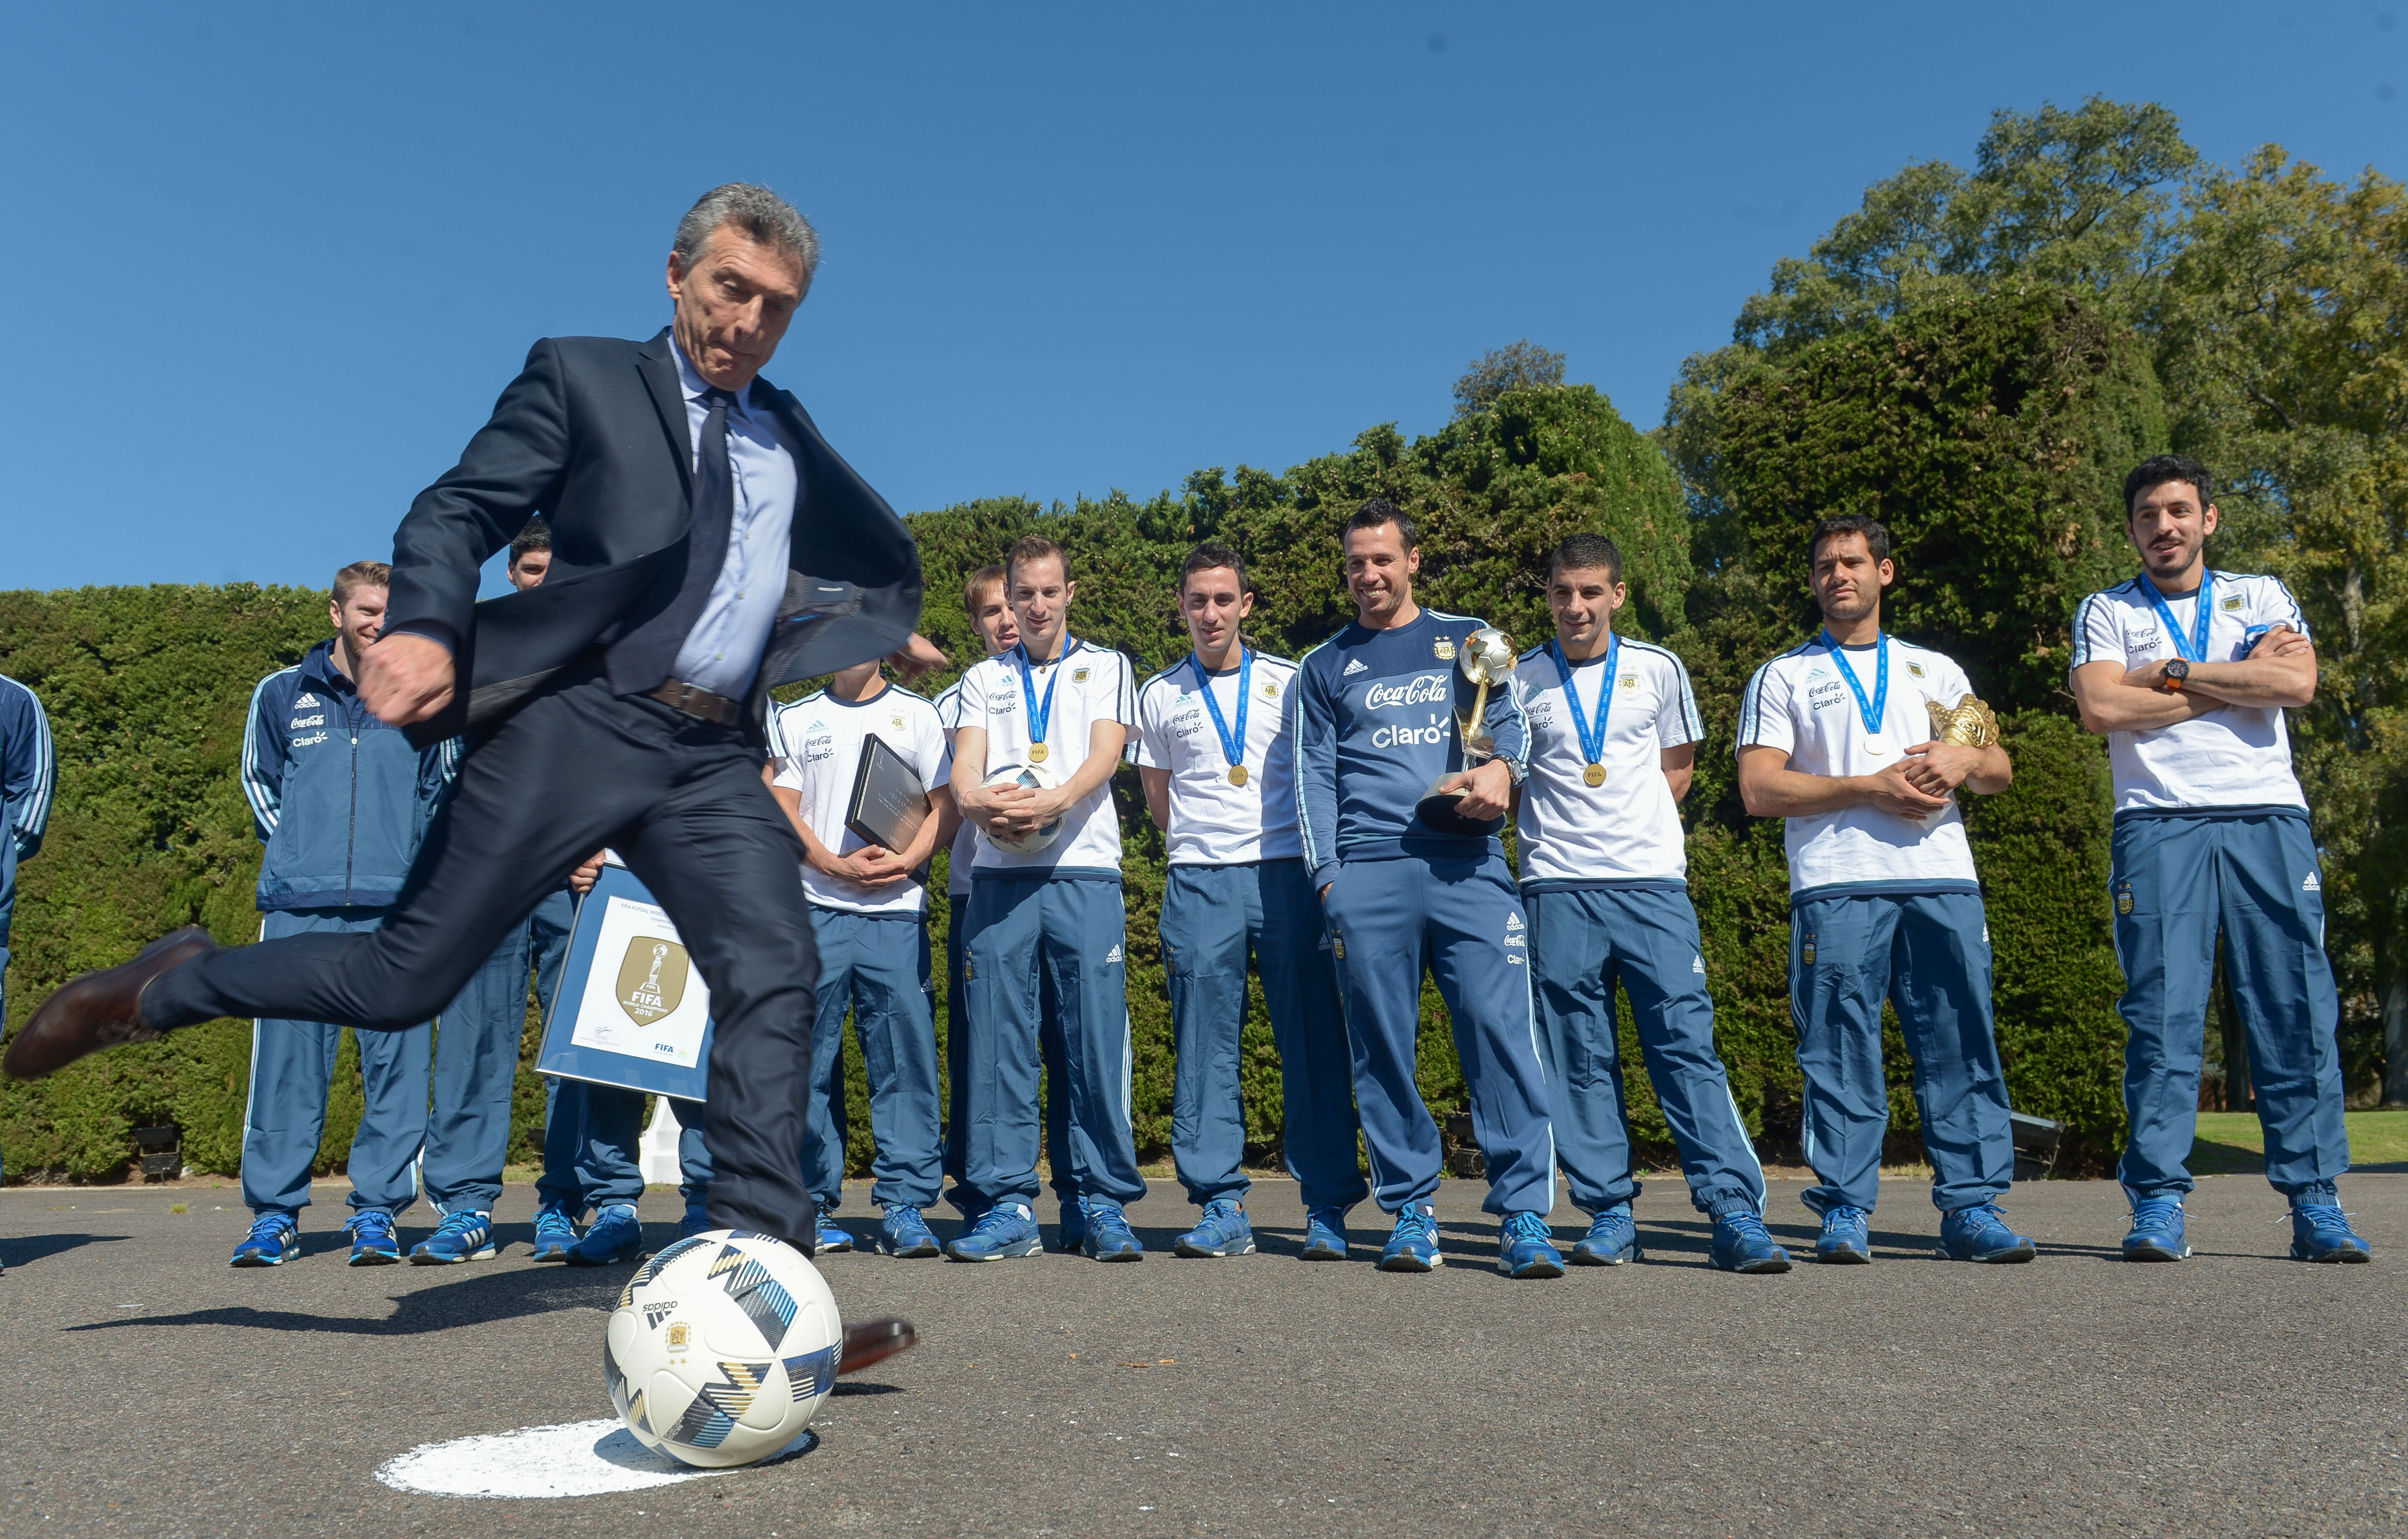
{"x":707,"y":545}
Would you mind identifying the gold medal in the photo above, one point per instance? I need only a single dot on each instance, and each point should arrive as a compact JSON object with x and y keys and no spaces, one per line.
{"x":1036,"y":752}
{"x":1594,"y":776}
{"x":1236,"y":774}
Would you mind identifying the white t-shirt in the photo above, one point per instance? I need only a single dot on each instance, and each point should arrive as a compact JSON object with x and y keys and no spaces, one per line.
{"x":957,"y":865}
{"x":817,"y":744}
{"x":1629,"y":829}
{"x":1213,"y":823}
{"x":1090,"y":684}
{"x":1798,"y":703}
{"x":2236,"y":756}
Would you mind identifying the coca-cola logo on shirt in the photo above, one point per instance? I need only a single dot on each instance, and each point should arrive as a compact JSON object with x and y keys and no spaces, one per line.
{"x":1428,"y":689}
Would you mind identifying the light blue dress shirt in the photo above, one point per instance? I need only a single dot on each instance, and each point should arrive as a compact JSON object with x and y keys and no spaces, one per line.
{"x":722,"y":651}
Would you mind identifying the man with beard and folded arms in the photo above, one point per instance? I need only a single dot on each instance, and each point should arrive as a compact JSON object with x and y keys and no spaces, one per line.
{"x":1376,"y":727}
{"x":2186,"y":672}
{"x":708,"y":546}
{"x":1613,"y":741}
{"x":1835,"y":737}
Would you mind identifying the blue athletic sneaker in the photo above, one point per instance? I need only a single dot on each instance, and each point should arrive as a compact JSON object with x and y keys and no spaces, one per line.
{"x":616,"y":1238}
{"x":1743,"y":1243}
{"x":1413,"y":1244}
{"x":1847,"y":1237}
{"x":830,"y":1239}
{"x":1325,"y":1234}
{"x":1109,"y":1237}
{"x":1526,"y":1247}
{"x":695,"y":1221}
{"x":461,"y":1237}
{"x":905,"y":1232}
{"x":2157,"y":1233}
{"x":373,"y":1242}
{"x":1224,"y":1231}
{"x":1612,"y":1239}
{"x":1070,"y":1234}
{"x":554,"y":1231}
{"x":2320,"y":1231}
{"x":1980,"y":1233}
{"x":274,"y":1239}
{"x":1005,"y":1229}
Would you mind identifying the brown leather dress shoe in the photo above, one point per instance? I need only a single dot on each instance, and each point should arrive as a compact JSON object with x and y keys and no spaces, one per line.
{"x":99,"y":1009}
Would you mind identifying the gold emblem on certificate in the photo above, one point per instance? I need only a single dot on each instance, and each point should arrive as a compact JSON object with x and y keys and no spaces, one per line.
{"x":1039,"y":753}
{"x":1594,"y":775}
{"x":1236,"y":774}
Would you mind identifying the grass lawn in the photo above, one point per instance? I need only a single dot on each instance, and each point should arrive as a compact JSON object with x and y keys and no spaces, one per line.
{"x":2232,"y":1144}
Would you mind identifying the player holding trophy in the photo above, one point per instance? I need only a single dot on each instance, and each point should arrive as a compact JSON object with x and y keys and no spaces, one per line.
{"x":1838,"y":736}
{"x":1613,"y":736}
{"x":1041,"y":731}
{"x":1401,"y":803}
{"x":2186,"y":672}
{"x":869,"y":921}
{"x":1216,"y":753}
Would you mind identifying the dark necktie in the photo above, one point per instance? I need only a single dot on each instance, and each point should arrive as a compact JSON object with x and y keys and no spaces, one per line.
{"x":641,"y":660}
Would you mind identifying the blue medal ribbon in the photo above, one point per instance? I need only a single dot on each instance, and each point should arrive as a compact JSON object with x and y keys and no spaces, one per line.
{"x":1592,"y":735}
{"x":1233,"y":744}
{"x":2196,"y":651}
{"x":1868,"y":711}
{"x":1039,"y":716}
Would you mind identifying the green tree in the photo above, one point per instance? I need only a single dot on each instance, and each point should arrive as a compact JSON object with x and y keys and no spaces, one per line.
{"x":1518,"y":365}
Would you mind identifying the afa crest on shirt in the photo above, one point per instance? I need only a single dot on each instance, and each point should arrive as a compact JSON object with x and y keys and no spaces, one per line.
{"x":1915,"y":668}
{"x":2123,"y":897}
{"x":1078,"y":675}
{"x":1271,"y":689}
{"x":895,"y":722}
{"x":2231,"y":605}
{"x":1444,"y":649}
{"x":1630,"y":681}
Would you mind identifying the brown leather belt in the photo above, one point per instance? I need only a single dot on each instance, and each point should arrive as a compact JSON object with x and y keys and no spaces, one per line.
{"x":696,"y":701}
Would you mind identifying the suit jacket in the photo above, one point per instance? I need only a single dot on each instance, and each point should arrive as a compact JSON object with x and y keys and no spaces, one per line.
{"x":593,"y":435}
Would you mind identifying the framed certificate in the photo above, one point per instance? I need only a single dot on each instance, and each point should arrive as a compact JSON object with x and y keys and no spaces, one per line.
{"x":632,"y":1009}
{"x":888,"y":804}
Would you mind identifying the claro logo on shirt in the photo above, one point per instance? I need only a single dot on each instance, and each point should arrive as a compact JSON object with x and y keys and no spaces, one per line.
{"x":1428,"y":689}
{"x":1406,"y":737}
{"x":312,"y":738}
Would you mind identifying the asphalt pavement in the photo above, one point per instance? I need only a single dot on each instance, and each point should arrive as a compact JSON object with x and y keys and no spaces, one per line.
{"x":154,"y":1390}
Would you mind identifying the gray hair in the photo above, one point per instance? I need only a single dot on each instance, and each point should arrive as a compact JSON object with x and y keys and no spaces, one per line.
{"x":756,"y":211}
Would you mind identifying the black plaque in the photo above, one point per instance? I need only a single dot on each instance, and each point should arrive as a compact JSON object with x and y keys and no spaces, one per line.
{"x":888,"y":803}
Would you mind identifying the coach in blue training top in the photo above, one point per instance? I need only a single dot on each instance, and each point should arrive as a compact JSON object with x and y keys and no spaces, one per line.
{"x":1375,"y":728}
{"x":341,"y":799}
{"x":2186,"y":672}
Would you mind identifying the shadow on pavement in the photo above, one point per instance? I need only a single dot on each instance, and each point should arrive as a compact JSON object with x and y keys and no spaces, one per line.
{"x":473,"y":1301}
{"x":24,"y":1249}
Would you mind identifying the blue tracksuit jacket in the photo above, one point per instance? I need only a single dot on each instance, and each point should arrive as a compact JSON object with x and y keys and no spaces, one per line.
{"x":29,"y":771}
{"x":1375,"y":726}
{"x":341,"y":798}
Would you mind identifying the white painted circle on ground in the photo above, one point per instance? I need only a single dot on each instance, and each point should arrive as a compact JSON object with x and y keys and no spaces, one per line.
{"x":581,"y":1459}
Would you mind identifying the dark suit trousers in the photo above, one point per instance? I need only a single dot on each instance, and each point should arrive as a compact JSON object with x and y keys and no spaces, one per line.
{"x":577,"y":768}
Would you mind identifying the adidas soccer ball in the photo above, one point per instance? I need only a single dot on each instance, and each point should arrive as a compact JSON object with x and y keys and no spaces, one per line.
{"x":1037,"y":777}
{"x":722,"y":1348}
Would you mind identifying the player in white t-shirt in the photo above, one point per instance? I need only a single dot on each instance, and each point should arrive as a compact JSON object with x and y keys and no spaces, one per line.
{"x":990,"y":617}
{"x":2186,"y":672}
{"x":1047,"y":928}
{"x":869,"y":921}
{"x":1613,"y":736}
{"x":1216,"y":751}
{"x":1835,"y":736}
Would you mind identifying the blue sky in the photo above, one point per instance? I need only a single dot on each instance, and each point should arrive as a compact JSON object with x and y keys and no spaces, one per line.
{"x":273,"y":263}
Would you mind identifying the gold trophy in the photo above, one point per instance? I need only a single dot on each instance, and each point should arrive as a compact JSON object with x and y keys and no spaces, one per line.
{"x":1968,"y":723}
{"x":1488,"y":658}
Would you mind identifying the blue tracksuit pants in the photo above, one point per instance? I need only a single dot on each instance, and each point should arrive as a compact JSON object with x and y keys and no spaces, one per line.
{"x":1211,"y":917}
{"x":1459,"y":919}
{"x":1059,"y":1151}
{"x":291,"y":1069}
{"x":599,"y":1130}
{"x":1026,"y":932}
{"x":877,"y":965}
{"x":2176,"y":881}
{"x":1584,"y":943}
{"x":1928,"y":954}
{"x":477,"y":1059}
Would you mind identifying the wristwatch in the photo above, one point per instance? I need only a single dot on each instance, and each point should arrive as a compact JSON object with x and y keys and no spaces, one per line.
{"x":2177,"y":670}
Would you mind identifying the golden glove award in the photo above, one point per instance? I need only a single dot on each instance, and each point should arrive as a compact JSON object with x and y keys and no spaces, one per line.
{"x":1968,"y":723}
{"x":1488,"y":658}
